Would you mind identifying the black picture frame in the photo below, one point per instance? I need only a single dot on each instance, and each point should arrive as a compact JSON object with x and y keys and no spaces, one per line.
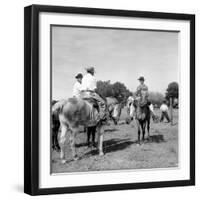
{"x":31,"y":98}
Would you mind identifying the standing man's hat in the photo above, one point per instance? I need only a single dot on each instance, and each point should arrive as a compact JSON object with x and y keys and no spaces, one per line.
{"x":141,"y":78}
{"x":79,"y":75}
{"x":90,"y":69}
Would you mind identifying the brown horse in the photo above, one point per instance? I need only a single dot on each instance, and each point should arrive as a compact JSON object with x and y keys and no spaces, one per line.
{"x":71,"y":114}
{"x":139,"y":109}
{"x":142,"y":117}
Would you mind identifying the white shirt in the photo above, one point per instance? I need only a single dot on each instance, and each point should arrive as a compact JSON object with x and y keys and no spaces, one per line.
{"x":151,"y":107}
{"x":89,"y":82}
{"x":163,"y":107}
{"x":76,"y":89}
{"x":130,"y":99}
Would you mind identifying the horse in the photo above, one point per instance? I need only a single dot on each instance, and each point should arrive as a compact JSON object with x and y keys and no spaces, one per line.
{"x":114,"y":109}
{"x":72,"y":113}
{"x":130,"y":109}
{"x":136,"y":108}
{"x":142,"y":117}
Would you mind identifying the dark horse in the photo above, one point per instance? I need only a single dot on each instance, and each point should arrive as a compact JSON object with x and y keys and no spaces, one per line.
{"x":142,"y":118}
{"x":55,"y":125}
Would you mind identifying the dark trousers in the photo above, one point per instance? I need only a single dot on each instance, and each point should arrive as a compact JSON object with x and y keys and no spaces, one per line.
{"x":100,"y":101}
{"x":164,"y":115}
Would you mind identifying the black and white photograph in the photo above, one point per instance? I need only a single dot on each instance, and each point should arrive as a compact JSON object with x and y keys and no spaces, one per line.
{"x":109,"y":100}
{"x":99,"y":99}
{"x":115,"y":99}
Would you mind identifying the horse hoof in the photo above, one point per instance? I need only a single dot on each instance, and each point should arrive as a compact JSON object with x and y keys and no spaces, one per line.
{"x":63,"y":161}
{"x":101,"y":154}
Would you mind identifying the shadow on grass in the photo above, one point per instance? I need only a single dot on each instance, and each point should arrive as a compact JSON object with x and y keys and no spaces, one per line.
{"x":113,"y":145}
{"x":83,"y":144}
{"x":111,"y":130}
{"x":174,"y":124}
{"x":155,"y":139}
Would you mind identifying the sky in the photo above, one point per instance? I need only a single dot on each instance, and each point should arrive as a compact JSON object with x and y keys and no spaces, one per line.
{"x":117,"y":55}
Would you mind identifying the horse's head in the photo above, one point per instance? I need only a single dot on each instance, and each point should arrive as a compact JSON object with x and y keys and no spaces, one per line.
{"x":130,"y":105}
{"x":116,"y":112}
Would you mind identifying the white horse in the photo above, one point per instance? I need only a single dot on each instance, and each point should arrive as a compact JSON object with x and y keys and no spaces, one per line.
{"x":130,"y":109}
{"x":72,"y":114}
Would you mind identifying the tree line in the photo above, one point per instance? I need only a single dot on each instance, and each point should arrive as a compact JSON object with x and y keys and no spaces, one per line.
{"x":121,"y":92}
{"x":117,"y":90}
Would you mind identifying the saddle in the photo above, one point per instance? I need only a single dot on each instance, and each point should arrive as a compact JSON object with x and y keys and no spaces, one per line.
{"x":140,"y":112}
{"x":143,"y":101}
{"x":92,"y":101}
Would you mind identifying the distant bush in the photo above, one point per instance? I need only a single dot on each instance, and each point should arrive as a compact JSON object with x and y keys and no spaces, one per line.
{"x":117,"y":90}
{"x":156,"y":98}
{"x":172,"y":90}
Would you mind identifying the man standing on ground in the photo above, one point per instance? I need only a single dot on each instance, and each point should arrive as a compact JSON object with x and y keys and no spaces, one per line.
{"x":164,"y":110}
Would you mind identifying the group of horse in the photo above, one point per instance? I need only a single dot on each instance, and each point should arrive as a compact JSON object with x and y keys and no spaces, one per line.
{"x":68,"y":115}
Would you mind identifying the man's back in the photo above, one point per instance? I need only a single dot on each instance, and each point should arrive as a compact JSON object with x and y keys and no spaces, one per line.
{"x":77,"y":89}
{"x":163,"y":107}
{"x":88,"y":82}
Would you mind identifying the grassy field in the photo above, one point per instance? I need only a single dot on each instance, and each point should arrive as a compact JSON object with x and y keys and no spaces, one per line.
{"x":121,"y":149}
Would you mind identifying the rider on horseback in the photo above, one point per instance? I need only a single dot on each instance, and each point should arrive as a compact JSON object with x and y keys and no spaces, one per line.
{"x":143,"y":94}
{"x":88,"y":90}
{"x":77,"y":86}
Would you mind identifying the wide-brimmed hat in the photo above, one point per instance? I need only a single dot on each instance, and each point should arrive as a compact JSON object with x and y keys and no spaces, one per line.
{"x":90,"y":69}
{"x":141,"y":78}
{"x":79,"y":75}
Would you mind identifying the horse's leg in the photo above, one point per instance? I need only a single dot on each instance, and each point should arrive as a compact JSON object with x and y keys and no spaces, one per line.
{"x":61,"y":140}
{"x":100,"y":140}
{"x":54,"y":137}
{"x":93,"y":136}
{"x":72,"y":143}
{"x":143,"y":130}
{"x":138,"y":135}
{"x":56,"y":140}
{"x":148,"y":128}
{"x":115,"y":121}
{"x":53,"y":140}
{"x":88,"y":136}
{"x":138,"y":127}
